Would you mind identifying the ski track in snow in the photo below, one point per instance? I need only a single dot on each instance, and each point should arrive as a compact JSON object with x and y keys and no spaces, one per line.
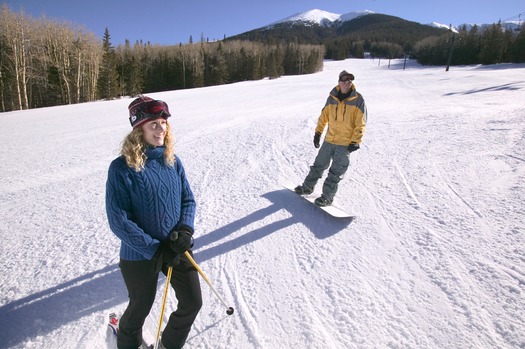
{"x":435,"y":258}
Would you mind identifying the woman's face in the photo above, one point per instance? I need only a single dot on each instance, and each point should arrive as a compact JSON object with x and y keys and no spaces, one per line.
{"x":155,"y":132}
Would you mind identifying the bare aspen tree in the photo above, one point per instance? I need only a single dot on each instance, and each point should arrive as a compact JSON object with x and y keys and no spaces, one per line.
{"x":92,"y":53}
{"x":59,"y":39}
{"x":78,"y":53}
{"x":14,"y":31}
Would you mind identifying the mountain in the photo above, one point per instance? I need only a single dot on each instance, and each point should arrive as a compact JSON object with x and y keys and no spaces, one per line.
{"x":321,"y":17}
{"x":322,"y":27}
{"x":506,"y":25}
{"x":322,"y":22}
{"x":325,"y":18}
{"x":345,"y":35}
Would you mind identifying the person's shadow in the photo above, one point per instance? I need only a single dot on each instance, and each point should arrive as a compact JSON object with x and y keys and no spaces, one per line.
{"x":104,"y":289}
{"x":320,"y":223}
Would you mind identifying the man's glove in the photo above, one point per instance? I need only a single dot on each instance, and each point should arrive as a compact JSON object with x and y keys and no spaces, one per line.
{"x":317,"y":139}
{"x":353,"y":147}
{"x":181,"y":240}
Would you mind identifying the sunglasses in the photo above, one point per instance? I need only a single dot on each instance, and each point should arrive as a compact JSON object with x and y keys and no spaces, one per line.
{"x":150,"y":110}
{"x":345,"y":80}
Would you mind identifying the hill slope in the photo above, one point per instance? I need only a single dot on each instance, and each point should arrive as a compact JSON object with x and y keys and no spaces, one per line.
{"x":434,"y":260}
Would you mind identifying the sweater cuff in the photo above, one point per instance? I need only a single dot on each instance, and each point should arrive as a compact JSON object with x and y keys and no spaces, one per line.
{"x":185,"y":228}
{"x":152,"y":250}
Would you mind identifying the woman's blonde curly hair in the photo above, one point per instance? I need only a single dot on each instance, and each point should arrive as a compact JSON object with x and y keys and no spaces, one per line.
{"x":134,"y":149}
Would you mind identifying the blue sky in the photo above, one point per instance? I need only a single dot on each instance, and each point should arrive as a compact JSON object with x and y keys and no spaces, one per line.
{"x":173,"y":21}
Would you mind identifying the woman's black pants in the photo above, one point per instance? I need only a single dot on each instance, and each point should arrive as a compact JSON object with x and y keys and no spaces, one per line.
{"x":141,"y":279}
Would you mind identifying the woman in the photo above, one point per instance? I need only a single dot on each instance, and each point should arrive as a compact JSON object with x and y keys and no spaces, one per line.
{"x":151,"y":209}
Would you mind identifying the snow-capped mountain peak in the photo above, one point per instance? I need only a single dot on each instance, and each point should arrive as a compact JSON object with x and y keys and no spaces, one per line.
{"x":507,"y":25}
{"x":322,"y":17}
{"x":443,"y":26}
{"x":326,"y":18}
{"x":316,"y":15}
{"x":351,"y":15}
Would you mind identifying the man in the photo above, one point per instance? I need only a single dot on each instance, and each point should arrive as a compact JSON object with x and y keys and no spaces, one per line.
{"x":345,"y":114}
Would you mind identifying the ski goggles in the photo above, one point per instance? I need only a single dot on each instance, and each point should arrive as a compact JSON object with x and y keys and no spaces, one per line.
{"x":149,"y":111}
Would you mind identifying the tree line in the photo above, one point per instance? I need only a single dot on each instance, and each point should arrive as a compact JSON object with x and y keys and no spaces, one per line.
{"x":379,"y":35}
{"x":162,"y":68}
{"x":46,"y":63}
{"x":492,"y":45}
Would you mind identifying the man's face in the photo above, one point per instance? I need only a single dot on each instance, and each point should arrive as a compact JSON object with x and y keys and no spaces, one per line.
{"x":345,"y":83}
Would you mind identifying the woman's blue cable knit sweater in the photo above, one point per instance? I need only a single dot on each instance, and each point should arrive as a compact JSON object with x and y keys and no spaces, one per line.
{"x":143,"y":207}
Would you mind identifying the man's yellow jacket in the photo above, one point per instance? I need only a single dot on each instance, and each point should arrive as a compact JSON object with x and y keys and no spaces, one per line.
{"x":346,"y":119}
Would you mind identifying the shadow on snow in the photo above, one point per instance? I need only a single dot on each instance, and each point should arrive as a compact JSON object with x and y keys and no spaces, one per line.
{"x":104,"y":289}
{"x":506,"y":87}
{"x":45,"y":311}
{"x":320,"y":223}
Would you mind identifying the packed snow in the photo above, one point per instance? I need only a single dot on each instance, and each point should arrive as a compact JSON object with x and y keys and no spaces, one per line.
{"x":435,"y":257}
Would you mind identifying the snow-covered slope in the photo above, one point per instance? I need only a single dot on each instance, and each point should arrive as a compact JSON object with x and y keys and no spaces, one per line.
{"x":435,"y":258}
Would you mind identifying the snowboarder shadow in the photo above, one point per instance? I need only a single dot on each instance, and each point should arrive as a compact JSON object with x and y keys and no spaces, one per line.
{"x":321,"y":224}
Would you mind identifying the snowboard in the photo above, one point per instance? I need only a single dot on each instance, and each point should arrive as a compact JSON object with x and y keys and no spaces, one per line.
{"x":331,"y":210}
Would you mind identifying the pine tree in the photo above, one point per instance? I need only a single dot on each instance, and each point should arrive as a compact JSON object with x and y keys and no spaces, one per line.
{"x":216,"y":68}
{"x":131,"y":80}
{"x":107,"y":84}
{"x":271,"y":66}
{"x":492,"y":45}
{"x":519,"y":47}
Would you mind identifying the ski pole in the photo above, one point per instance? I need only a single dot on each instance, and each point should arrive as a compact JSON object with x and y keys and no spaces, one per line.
{"x":164,"y":297}
{"x":229,"y":310}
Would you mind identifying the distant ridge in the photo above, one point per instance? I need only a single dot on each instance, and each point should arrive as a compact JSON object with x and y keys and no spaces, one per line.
{"x":325,"y":18}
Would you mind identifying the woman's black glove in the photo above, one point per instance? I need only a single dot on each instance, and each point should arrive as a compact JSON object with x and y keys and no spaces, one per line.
{"x":169,"y":256}
{"x":181,"y":240}
{"x":165,"y":256}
